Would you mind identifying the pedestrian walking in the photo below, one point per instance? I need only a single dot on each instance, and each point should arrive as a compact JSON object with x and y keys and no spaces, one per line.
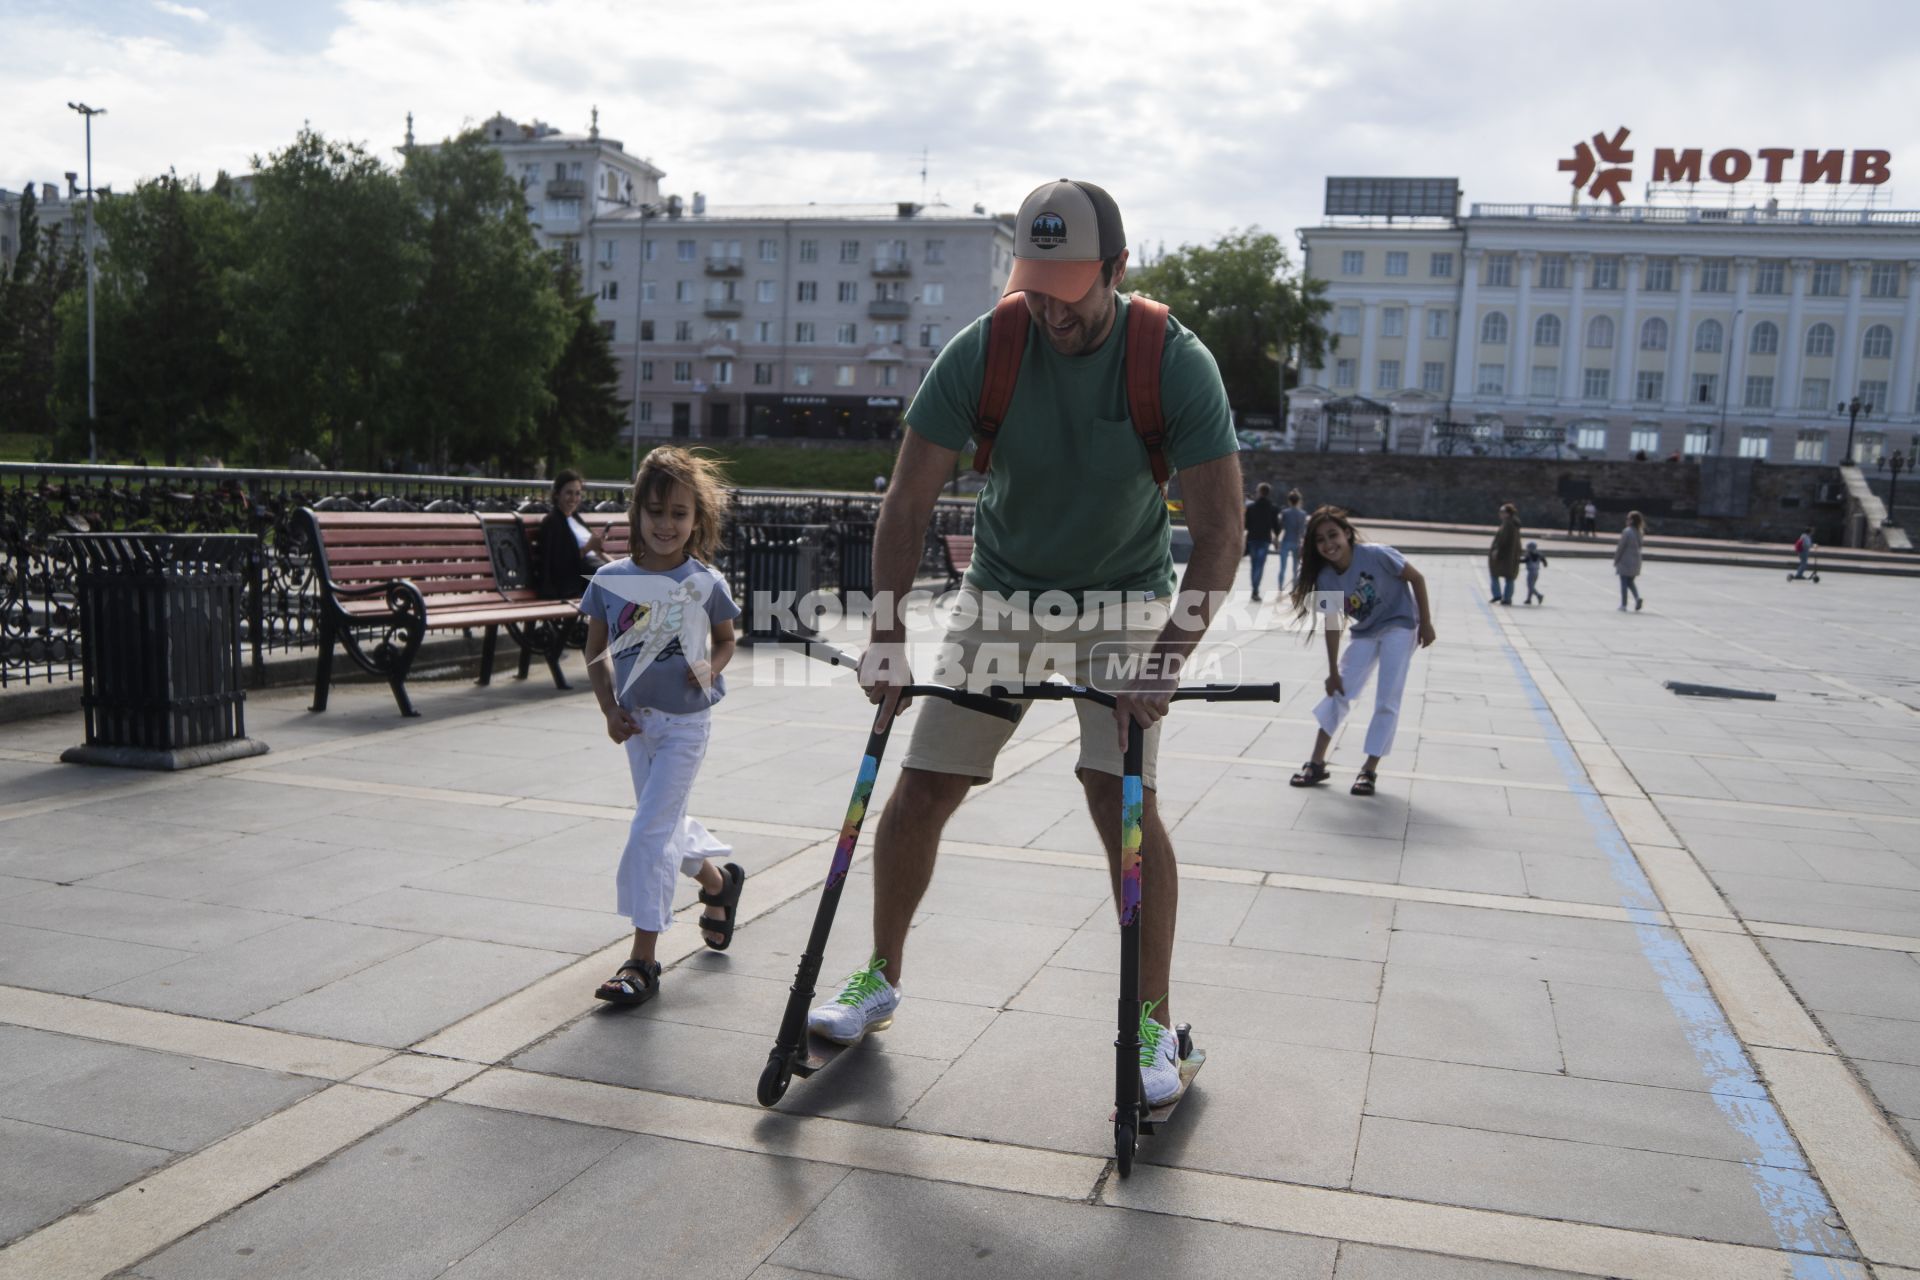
{"x":659,"y":633}
{"x":1535,"y":561}
{"x":1592,"y":518}
{"x":1626,"y":558}
{"x":1263,"y":526}
{"x":1293,"y":526}
{"x":1371,"y":592}
{"x":1503,"y":561}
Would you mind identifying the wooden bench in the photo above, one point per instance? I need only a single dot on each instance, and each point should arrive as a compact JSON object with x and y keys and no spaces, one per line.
{"x":386,"y":579}
{"x":959,"y":551}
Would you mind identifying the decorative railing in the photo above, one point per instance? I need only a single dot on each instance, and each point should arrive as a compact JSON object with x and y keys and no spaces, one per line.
{"x":39,"y":618}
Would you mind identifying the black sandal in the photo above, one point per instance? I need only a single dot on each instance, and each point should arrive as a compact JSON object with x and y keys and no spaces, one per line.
{"x":728,"y":900}
{"x":1312,"y":774}
{"x":1363,"y":785}
{"x":634,"y":983}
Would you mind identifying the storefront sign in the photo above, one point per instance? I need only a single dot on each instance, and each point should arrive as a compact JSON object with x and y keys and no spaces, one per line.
{"x":883,"y":402}
{"x":1608,"y":162}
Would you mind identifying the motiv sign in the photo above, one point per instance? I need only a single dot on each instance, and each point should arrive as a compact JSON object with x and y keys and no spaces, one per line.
{"x":1605,"y":165}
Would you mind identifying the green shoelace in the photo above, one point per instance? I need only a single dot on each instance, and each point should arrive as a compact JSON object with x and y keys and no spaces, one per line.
{"x":862,"y":983}
{"x":1150,"y":1033}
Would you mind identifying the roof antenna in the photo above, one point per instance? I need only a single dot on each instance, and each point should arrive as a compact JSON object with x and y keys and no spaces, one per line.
{"x":409,"y":130}
{"x":923,"y":175}
{"x":594,"y":132}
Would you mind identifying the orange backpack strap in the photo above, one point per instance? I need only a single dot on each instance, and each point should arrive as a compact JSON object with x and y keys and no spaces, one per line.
{"x":1006,"y":346}
{"x":1146,"y":341}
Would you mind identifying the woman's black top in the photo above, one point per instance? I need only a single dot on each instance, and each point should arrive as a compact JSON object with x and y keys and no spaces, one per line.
{"x":563,"y":569}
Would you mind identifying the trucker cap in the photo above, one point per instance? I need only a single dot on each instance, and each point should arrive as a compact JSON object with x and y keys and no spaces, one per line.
{"x":1064,"y":231}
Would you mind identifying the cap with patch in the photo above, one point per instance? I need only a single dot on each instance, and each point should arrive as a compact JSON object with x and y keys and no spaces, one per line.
{"x":1064,"y":231}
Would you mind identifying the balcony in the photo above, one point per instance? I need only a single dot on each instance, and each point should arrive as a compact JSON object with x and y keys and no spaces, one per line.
{"x":889,"y":309}
{"x":891,"y":265}
{"x":566,"y":188}
{"x":722,"y":264}
{"x":724,"y":308}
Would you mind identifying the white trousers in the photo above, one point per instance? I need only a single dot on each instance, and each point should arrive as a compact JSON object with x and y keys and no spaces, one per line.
{"x":663,"y":842}
{"x":1391,"y":650}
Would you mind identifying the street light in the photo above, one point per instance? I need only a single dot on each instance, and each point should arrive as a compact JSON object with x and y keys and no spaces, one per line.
{"x":1893,"y":487}
{"x":1853,"y":410}
{"x":639,"y":329}
{"x":93,"y":443}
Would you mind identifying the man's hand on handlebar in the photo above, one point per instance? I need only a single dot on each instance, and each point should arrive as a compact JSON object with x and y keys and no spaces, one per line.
{"x":1142,"y":702}
{"x":883,"y":674}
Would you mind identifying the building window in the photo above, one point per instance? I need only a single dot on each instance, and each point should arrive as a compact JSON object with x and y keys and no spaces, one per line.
{"x":849,"y":291}
{"x":806,"y":291}
{"x":1343,"y":373}
{"x":609,"y":291}
{"x":1770,"y":279}
{"x":1653,"y":335}
{"x":1440,"y":266}
{"x":1759,"y":392}
{"x":762,"y":375}
{"x":1873,"y":394}
{"x":722,"y":371}
{"x":936,"y":251}
{"x":571,"y":247}
{"x":1871,"y":448}
{"x":1649,"y":386}
{"x":847,"y":334}
{"x":1600,"y":333}
{"x":645,"y":408}
{"x":803,"y":331}
{"x":934,"y":294}
{"x":1820,"y":340}
{"x":1346,"y":321}
{"x":1885,"y":280}
{"x":763,"y":331}
{"x":1590,"y":437}
{"x":1493,"y":380}
{"x":1493,"y":329}
{"x":1553,"y":271}
{"x":1388,"y":378}
{"x":849,"y":252}
{"x":1765,"y":340}
{"x":646,"y":331}
{"x":1878,"y":344}
{"x":1606,"y":273}
{"x":1433,"y":376}
{"x":803,"y":375}
{"x":1352,"y":262}
{"x":1705,"y":389}
{"x":1810,"y":446}
{"x":1815,"y":393}
{"x":649,"y":250}
{"x":769,"y":251}
{"x":683,"y":331}
{"x":1709,"y":336}
{"x":1499,"y":269}
{"x":1596,"y":384}
{"x":683,"y":250}
{"x":1713,"y":275}
{"x":1545,"y":381}
{"x":1396,"y":263}
{"x":809,"y":251}
{"x":843,"y":373}
{"x":1754,"y":442}
{"x":1393,"y":322}
{"x":1659,"y":275}
{"x":1546,"y":331}
{"x":1826,"y":281}
{"x":683,"y":371}
{"x":1439,"y":324}
{"x":1644,"y":440}
{"x":647,"y":293}
{"x":930,"y":336}
{"x":764,"y":290}
{"x":683,"y":291}
{"x":887,"y":375}
{"x":1697,"y":439}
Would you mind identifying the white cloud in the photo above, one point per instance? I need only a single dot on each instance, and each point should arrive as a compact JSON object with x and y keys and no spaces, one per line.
{"x":186,"y":11}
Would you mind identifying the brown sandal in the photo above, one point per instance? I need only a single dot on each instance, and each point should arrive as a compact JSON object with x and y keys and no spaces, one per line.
{"x":1312,"y":774}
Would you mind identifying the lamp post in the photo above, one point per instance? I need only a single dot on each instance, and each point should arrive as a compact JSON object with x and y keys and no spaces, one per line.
{"x":1852,"y":409}
{"x":93,"y":443}
{"x":1893,"y":486}
{"x":1726,"y":381}
{"x":639,"y":330}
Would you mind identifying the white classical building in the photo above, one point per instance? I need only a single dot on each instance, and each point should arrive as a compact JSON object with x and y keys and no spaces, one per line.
{"x":773,"y":320}
{"x":1612,"y":331}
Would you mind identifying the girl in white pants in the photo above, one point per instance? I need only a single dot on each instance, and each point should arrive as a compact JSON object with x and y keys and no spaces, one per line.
{"x":1371,"y":593}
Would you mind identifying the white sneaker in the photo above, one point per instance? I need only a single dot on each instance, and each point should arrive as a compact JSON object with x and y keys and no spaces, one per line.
{"x":1159,"y":1060}
{"x":866,"y":1003}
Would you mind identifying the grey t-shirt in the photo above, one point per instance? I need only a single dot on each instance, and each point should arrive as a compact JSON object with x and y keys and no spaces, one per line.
{"x":1293,"y":523}
{"x":656,"y":621}
{"x":1375,"y":596}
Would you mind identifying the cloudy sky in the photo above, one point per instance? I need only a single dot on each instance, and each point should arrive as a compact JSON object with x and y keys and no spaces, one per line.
{"x":1199,"y":115}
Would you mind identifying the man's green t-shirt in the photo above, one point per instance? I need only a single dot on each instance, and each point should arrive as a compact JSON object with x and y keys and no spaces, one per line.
{"x":1070,"y":503}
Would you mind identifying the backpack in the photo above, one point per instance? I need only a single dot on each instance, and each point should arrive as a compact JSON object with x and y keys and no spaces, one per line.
{"x":1007,"y":343}
{"x":1803,"y":543}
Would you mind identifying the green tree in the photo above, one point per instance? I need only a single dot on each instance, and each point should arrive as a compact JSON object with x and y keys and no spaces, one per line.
{"x":487,"y":324}
{"x":29,"y":233}
{"x":584,"y":411}
{"x":165,"y":375}
{"x":334,"y":265}
{"x":49,"y":268}
{"x":1244,"y":300}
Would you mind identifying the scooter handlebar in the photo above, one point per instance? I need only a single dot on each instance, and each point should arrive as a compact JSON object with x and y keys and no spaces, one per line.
{"x":1230,"y":692}
{"x":827,"y":653}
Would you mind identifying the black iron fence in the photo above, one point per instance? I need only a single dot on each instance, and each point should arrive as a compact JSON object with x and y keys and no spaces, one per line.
{"x":39,"y":610}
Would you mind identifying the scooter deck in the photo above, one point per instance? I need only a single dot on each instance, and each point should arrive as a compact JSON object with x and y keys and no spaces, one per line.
{"x":1189,"y":1068}
{"x":820,"y":1052}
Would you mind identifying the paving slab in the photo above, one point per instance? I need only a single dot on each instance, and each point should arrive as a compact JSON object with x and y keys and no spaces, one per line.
{"x":1492,"y":1020}
{"x":47,"y":1172}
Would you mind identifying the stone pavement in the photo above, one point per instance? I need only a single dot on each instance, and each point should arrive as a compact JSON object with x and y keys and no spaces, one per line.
{"x":1605,"y":982}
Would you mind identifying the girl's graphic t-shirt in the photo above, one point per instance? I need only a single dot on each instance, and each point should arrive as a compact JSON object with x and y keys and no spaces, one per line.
{"x":1373,"y":594}
{"x":658,"y":623}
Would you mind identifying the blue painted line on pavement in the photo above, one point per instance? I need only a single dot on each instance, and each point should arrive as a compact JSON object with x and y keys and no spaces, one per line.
{"x":1795,"y":1205}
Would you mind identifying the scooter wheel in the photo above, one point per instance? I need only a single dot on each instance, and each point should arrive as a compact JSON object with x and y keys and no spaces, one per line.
{"x":774,"y":1079}
{"x":1123,"y":1144}
{"x":1185,"y":1033}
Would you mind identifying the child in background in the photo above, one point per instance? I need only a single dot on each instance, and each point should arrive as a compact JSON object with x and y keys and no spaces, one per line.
{"x":1384,"y":603}
{"x":1535,"y":561}
{"x":1803,"y":547}
{"x":659,"y":632}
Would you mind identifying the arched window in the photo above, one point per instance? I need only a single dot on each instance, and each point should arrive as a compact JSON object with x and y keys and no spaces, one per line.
{"x":1546,"y":331}
{"x":1878,"y":344}
{"x":1708,"y":336}
{"x":1820,"y":340}
{"x":1493,"y":329}
{"x":1653,"y":335}
{"x":1600,"y":333}
{"x":1765,"y":340}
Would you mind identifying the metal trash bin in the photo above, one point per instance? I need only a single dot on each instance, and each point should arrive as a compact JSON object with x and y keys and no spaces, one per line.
{"x":160,"y":649}
{"x":782,"y":564}
{"x":856,"y":559}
